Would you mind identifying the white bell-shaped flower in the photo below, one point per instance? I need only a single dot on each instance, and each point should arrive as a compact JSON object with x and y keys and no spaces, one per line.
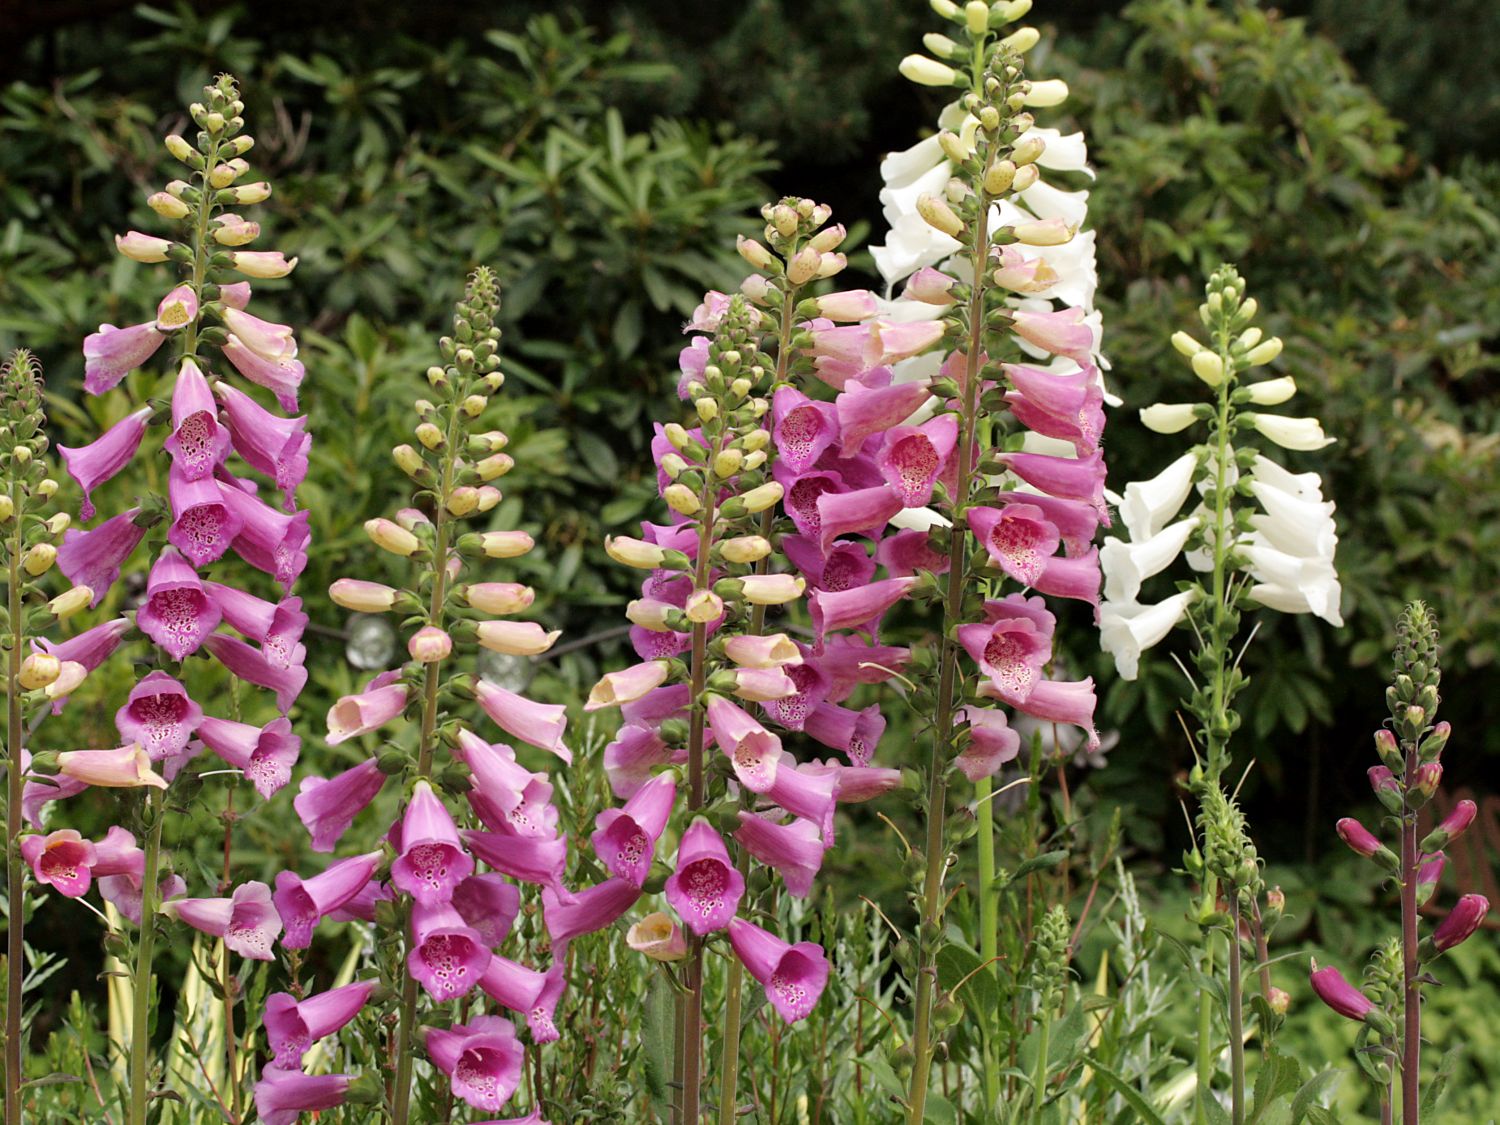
{"x":1127,"y":629}
{"x":1313,"y":580}
{"x":1149,"y":505}
{"x":1303,"y":528}
{"x":1127,"y":565}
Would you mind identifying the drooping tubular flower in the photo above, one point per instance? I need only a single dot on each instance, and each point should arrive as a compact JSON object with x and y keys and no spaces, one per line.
{"x":1255,"y":519}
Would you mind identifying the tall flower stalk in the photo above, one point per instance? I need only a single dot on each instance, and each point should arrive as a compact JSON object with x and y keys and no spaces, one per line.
{"x":1410,"y":747}
{"x":452,"y":915}
{"x":1277,"y":557}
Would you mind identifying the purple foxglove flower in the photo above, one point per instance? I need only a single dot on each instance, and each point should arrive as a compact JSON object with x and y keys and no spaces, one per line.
{"x":589,"y":911}
{"x":811,"y":689}
{"x":536,"y":724}
{"x":292,"y":1025}
{"x":247,"y":921}
{"x":303,"y":903}
{"x":865,"y":511}
{"x":1069,"y":478}
{"x":802,"y":494}
{"x":481,"y":1059}
{"x":117,"y":854}
{"x":850,"y":661}
{"x":1075,"y":520}
{"x":93,"y":558}
{"x":177,"y":614}
{"x":1018,"y":538}
{"x":1454,"y":825}
{"x":447,"y":957}
{"x":263,"y":337}
{"x":112,"y":353}
{"x":1058,"y":701}
{"x":540,"y":1018}
{"x":754,"y":751}
{"x":706,"y":888}
{"x":203,"y":524}
{"x":808,"y":793}
{"x":282,"y":1096}
{"x":275,"y":626}
{"x":863,"y":411}
{"x":93,"y":464}
{"x":1358,"y":837}
{"x":382,"y":699}
{"x":1066,"y":407}
{"x":248,"y":664}
{"x":854,"y":733}
{"x":1076,"y":578}
{"x":533,"y":1118}
{"x":1018,"y":607}
{"x":912,"y":458}
{"x":1011,"y":653}
{"x":90,"y":648}
{"x":280,"y":377}
{"x":793,"y":975}
{"x":1466,"y":916}
{"x":860,"y":608}
{"x":801,"y":428}
{"x":527,"y":858}
{"x":269,"y":443}
{"x":489,"y":904}
{"x":1064,"y":332}
{"x":198,"y":443}
{"x":263,"y":753}
{"x":361,"y":908}
{"x":432,"y":861}
{"x":507,"y":797}
{"x":1339,"y":994}
{"x":795,"y":850}
{"x":270,"y":541}
{"x":159,"y":717}
{"x":62,"y":859}
{"x":992,"y":742}
{"x":844,"y":566}
{"x":512,"y":985}
{"x":327,"y":806}
{"x":630,"y":759}
{"x":624,"y":839}
{"x":123,"y":892}
{"x":854,"y":784}
{"x":1429,"y":875}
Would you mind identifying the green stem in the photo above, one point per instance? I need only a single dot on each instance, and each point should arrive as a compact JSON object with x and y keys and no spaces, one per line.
{"x":1236,"y":1017}
{"x":989,"y":927}
{"x":929,"y":935}
{"x":1039,"y":1075}
{"x":1411,"y":997}
{"x":15,"y":869}
{"x":141,"y":1018}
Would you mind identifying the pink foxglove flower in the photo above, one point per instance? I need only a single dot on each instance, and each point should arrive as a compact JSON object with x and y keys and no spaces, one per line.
{"x":1358,"y":837}
{"x":269,"y":443}
{"x":112,"y":353}
{"x":431,"y":862}
{"x":991,"y":743}
{"x":1068,"y":478}
{"x":1011,"y":653}
{"x":862,"y":511}
{"x":303,"y":903}
{"x":1065,"y":332}
{"x":802,"y":428}
{"x":539,"y":1019}
{"x":382,"y":699}
{"x":203,"y":525}
{"x":625,"y":838}
{"x":589,"y":911}
{"x":864,"y":411}
{"x":913,"y":458}
{"x":512,"y":985}
{"x":1339,"y":994}
{"x":795,"y":849}
{"x":271,"y":541}
{"x":63,"y":860}
{"x":808,"y":792}
{"x":123,"y":892}
{"x":793,"y":976}
{"x":447,"y":957}
{"x":159,"y":716}
{"x":327,"y":806}
{"x":282,"y":1096}
{"x":627,"y":685}
{"x":489,"y":904}
{"x":530,"y":859}
{"x":706,"y":888}
{"x":481,"y":1059}
{"x":856,"y":734}
{"x":93,"y":558}
{"x":1019,"y":538}
{"x":860,"y":608}
{"x":252,"y":666}
{"x":93,"y":464}
{"x":276,"y":626}
{"x":754,"y":751}
{"x":810,"y":687}
{"x":280,"y":377}
{"x":247,"y":921}
{"x":198,"y":443}
{"x":292,"y":1025}
{"x":536,"y":724}
{"x":178,"y":613}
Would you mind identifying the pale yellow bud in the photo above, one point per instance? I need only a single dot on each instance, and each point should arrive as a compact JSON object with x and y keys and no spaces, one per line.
{"x":977,"y":17}
{"x":1209,"y":367}
{"x":754,"y":253}
{"x":1250,"y":337}
{"x":362,"y":597}
{"x":68,"y":603}
{"x":740,"y":387}
{"x":704,"y":606}
{"x":489,"y":496}
{"x":392,"y":537}
{"x":1169,"y":417}
{"x":772,"y":589}
{"x":58,"y":522}
{"x":39,"y":559}
{"x":38,"y":670}
{"x":927,"y":72}
{"x":474,"y":405}
{"x":1049,"y":92}
{"x":745,"y":549}
{"x":707,"y":408}
{"x":46,"y":488}
{"x":634,"y":552}
{"x":1025,"y":177}
{"x":756,"y":439}
{"x":677,"y":435}
{"x":167,"y":206}
{"x":7,"y":508}
{"x":252,"y":193}
{"x":1262,"y":354}
{"x":828,"y":239}
{"x":463,"y":500}
{"x":681,"y":499}
{"x":1185,"y":344}
{"x":179,"y":148}
{"x":999,"y":176}
{"x":760,"y":498}
{"x":938,"y":215}
{"x":1022,"y":40}
{"x":945,"y":8}
{"x":495,"y":465}
{"x":407,"y":459}
{"x":831,"y":265}
{"x":430,"y":436}
{"x":939,"y":45}
{"x":728,"y":462}
{"x":1273,"y":392}
{"x":755,"y":459}
{"x":804,"y":266}
{"x":69,"y":679}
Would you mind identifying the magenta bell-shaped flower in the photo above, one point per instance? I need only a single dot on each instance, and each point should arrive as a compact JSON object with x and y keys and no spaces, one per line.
{"x":1063,"y":332}
{"x":292,"y":1025}
{"x":247,"y":921}
{"x":447,"y":957}
{"x":512,"y":985}
{"x":807,"y":792}
{"x":489,"y":904}
{"x":1339,"y":994}
{"x":1011,"y":653}
{"x":1065,"y":407}
{"x":1358,"y":837}
{"x":481,"y":1059}
{"x":863,"y":410}
{"x":203,"y":525}
{"x":198,"y":444}
{"x":269,"y":443}
{"x":811,"y":686}
{"x":795,"y":850}
{"x":281,"y":377}
{"x":860,"y":608}
{"x":913,"y":458}
{"x":864,"y":511}
{"x":93,"y":464}
{"x":706,"y":888}
{"x":754,"y":751}
{"x":303,"y":903}
{"x":276,"y":626}
{"x":247,"y":663}
{"x":282,"y":1096}
{"x":855,"y":733}
{"x":1059,"y":701}
{"x":624,"y":839}
{"x":432,"y":861}
{"x":1018,"y":538}
{"x":527,"y":858}
{"x":536,"y":724}
{"x":327,"y":806}
{"x":793,"y":976}
{"x":63,"y":860}
{"x":844,"y":566}
{"x":93,"y":558}
{"x":539,"y":1020}
{"x":124,"y":893}
{"x":801,"y":428}
{"x":589,"y":911}
{"x":112,"y":353}
{"x":1076,"y":521}
{"x":178,"y":613}
{"x":1466,"y":916}
{"x":159,"y":716}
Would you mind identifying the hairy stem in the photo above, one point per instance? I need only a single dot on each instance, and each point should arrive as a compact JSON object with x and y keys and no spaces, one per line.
{"x":141,"y":1018}
{"x":1411,"y":1041}
{"x":1236,"y":1018}
{"x":15,"y":875}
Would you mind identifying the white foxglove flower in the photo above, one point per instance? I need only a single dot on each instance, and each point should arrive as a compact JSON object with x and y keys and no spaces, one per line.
{"x":1304,"y":434}
{"x":1047,"y":202}
{"x":1062,"y":153}
{"x":1285,"y":599}
{"x":1313,"y":580}
{"x":1149,"y":505}
{"x":1272,"y":392}
{"x":1299,"y":527}
{"x":1127,"y":629}
{"x":919,"y":519}
{"x":1304,"y":486}
{"x":1127,"y":565}
{"x":1169,"y":417}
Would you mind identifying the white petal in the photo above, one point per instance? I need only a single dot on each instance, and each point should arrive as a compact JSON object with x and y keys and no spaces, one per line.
{"x":1127,"y":629}
{"x":1150,"y":504}
{"x":1127,"y":565}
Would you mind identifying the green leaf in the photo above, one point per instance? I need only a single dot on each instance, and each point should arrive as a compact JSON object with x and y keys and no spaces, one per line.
{"x":1324,"y":1082}
{"x":1145,"y":1114}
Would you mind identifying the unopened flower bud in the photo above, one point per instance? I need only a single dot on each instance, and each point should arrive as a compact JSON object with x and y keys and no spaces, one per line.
{"x":938,"y":215}
{"x":1049,"y":92}
{"x":756,"y":439}
{"x":1454,"y":825}
{"x":474,"y":405}
{"x":1028,"y":149}
{"x":38,"y":670}
{"x":70,"y":602}
{"x":829,"y":238}
{"x":1264,"y":353}
{"x":1042,"y":232}
{"x":1462,"y":921}
{"x":7,"y":507}
{"x":704,"y":606}
{"x":362,"y":597}
{"x":1185,"y":344}
{"x":1209,"y":367}
{"x":252,"y":193}
{"x":408,"y":460}
{"x":430,"y":436}
{"x":681,"y":499}
{"x":39,"y":558}
{"x":707,"y":408}
{"x":745,"y":549}
{"x":179,"y":148}
{"x":770,"y":589}
{"x":429,"y":644}
{"x":728,"y":462}
{"x":46,"y":489}
{"x":753,"y":252}
{"x":167,"y":206}
{"x":1022,"y":40}
{"x":634,"y":552}
{"x":140,"y":247}
{"x":58,"y":522}
{"x":463,"y":500}
{"x":495,"y":465}
{"x":392,"y":537}
{"x":927,"y":72}
{"x":1169,"y":417}
{"x":500,"y":544}
{"x":1272,"y":392}
{"x":761,"y":497}
{"x":831,"y":265}
{"x":1389,"y":749}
